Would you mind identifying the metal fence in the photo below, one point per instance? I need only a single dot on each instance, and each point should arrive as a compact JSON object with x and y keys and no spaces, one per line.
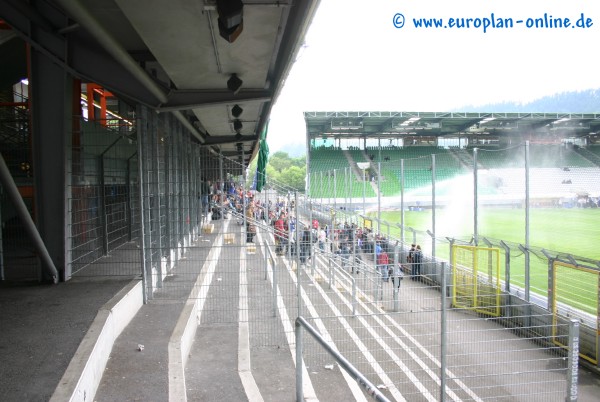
{"x":443,"y":198}
{"x":147,"y":200}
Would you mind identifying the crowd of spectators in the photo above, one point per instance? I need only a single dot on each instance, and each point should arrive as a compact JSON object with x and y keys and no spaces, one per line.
{"x":346,"y":240}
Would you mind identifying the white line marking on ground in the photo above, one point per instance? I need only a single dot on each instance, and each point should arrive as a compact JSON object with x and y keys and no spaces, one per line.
{"x":450,"y":375}
{"x":244,"y":366}
{"x":362,"y":347}
{"x":288,"y":329}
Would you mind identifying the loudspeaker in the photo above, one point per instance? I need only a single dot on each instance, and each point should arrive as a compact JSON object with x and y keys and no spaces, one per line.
{"x":234,"y":83}
{"x":236,"y":111}
{"x":230,"y":12}
{"x":230,"y":35}
{"x":237,"y":125}
{"x":231,"y":22}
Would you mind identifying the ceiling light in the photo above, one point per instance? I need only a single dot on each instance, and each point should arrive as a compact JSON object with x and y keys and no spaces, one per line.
{"x":234,"y":83}
{"x":236,"y":111}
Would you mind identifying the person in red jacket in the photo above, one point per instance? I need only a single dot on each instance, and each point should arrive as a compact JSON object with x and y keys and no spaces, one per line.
{"x":383,"y":261}
{"x":280,"y":234}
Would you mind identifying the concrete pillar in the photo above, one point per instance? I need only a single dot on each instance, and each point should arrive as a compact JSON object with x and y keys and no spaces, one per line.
{"x":51,"y":107}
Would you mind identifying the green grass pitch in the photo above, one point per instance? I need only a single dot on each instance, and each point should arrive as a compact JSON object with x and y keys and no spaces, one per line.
{"x":572,"y":231}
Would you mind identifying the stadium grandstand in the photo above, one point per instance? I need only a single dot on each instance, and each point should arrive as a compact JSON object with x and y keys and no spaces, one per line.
{"x":562,"y":152}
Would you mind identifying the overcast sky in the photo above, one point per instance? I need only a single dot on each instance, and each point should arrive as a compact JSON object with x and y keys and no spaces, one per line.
{"x":354,"y":59}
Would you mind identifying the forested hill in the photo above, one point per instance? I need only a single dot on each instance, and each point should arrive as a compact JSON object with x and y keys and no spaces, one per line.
{"x":587,"y":101}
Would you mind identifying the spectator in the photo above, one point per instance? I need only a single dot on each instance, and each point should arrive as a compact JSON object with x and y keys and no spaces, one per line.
{"x":382,"y":265}
{"x":417,"y":262}
{"x":322,"y":238}
{"x":305,"y":246}
{"x":410,"y":259}
{"x":280,"y":235}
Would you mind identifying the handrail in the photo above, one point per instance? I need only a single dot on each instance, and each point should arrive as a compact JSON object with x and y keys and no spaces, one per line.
{"x":368,"y":386}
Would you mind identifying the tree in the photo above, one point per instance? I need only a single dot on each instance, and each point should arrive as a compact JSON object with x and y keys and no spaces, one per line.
{"x":294,"y":177}
{"x":280,"y":161}
{"x":282,"y":171}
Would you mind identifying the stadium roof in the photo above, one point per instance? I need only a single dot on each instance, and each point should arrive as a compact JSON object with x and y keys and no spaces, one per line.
{"x":394,"y":124}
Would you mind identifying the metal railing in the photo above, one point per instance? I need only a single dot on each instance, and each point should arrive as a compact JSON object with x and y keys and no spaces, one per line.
{"x":368,"y":386}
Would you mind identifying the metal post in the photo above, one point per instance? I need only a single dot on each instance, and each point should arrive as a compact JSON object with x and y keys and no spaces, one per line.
{"x":350,"y":182}
{"x":354,"y":301}
{"x":527,"y":307}
{"x":265,"y":250}
{"x":375,"y":252}
{"x":345,"y":189}
{"x":311,"y":246}
{"x":443,"y":336}
{"x":527,"y":271}
{"x":402,"y":200}
{"x":171,"y":191}
{"x":143,"y":196}
{"x":299,"y":363}
{"x":102,"y":203}
{"x":525,"y":251}
{"x":414,"y":233}
{"x":433,"y":205}
{"x":432,"y":235}
{"x":334,"y":191}
{"x":396,"y":280}
{"x":245,"y":219}
{"x":451,"y":243}
{"x":289,"y":234}
{"x":490,"y":266}
{"x":364,"y":190}
{"x":506,"y":266}
{"x":274,"y":269}
{"x":156,"y":252}
{"x":379,"y":196}
{"x":298,"y":271}
{"x":475,"y":198}
{"x":222,"y":185}
{"x":321,"y":187}
{"x":573,"y":366}
{"x":329,"y":185}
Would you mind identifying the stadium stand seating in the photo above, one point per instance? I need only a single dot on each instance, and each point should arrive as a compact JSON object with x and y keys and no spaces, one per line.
{"x":540,"y":156}
{"x":556,"y":170}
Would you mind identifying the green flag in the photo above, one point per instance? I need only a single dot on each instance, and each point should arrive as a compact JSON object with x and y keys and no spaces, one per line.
{"x":263,"y":158}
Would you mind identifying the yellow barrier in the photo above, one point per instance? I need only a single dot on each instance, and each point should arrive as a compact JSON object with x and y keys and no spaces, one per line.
{"x":575,"y":291}
{"x":476,"y":279}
